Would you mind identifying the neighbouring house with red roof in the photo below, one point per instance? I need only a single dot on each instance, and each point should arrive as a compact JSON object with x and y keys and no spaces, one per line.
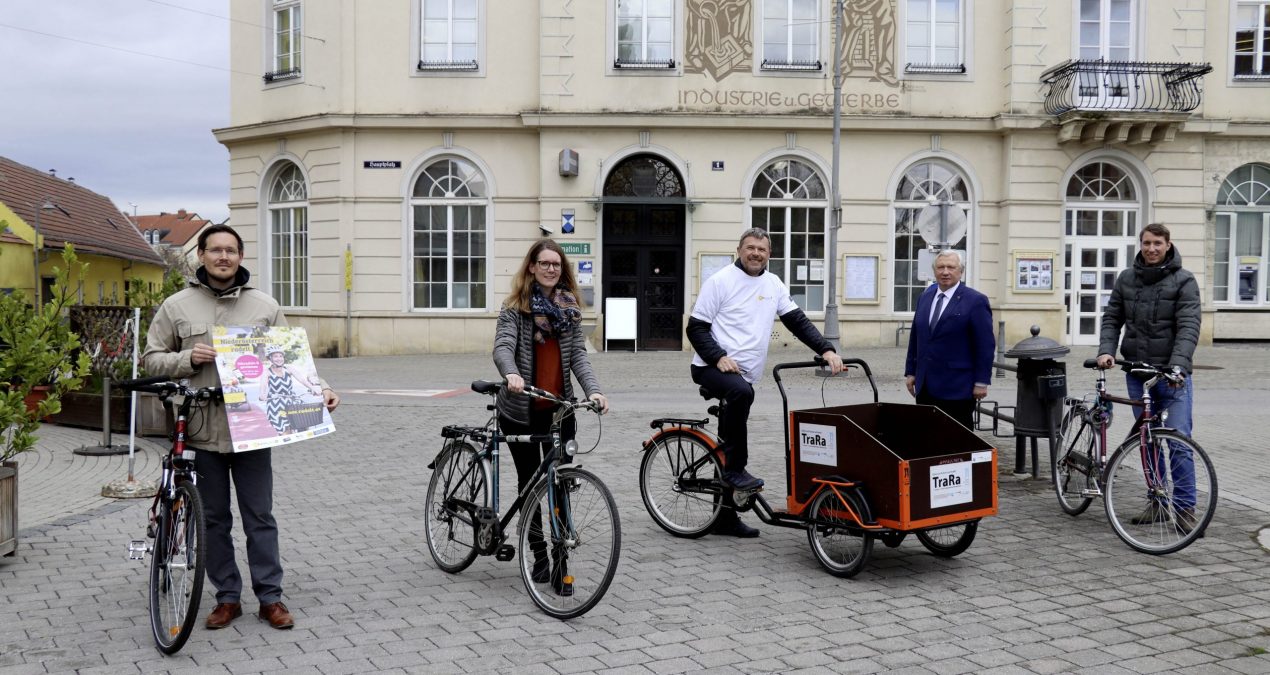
{"x":41,"y":213}
{"x":174,"y":236}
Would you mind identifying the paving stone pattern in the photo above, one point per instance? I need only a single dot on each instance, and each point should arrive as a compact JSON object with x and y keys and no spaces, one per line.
{"x":1038,"y":592}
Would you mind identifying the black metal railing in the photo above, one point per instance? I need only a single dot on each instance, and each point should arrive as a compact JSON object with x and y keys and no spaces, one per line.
{"x":470,"y":65}
{"x":280,"y":75}
{"x":935,"y":68}
{"x":772,"y":64}
{"x":1129,"y":86}
{"x":630,"y":64}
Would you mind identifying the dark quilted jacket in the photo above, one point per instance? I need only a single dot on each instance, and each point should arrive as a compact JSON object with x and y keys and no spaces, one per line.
{"x":514,"y":353}
{"x":1160,"y":311}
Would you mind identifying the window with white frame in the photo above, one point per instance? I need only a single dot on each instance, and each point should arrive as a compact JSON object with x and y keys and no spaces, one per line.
{"x":791,"y":30}
{"x":925,"y":183}
{"x":287,"y":40}
{"x":934,"y":37}
{"x":645,"y":34}
{"x":1243,"y":238}
{"x":1106,"y":30}
{"x":448,"y":213}
{"x":289,"y":237}
{"x":449,"y":35}
{"x":1252,"y":40}
{"x":788,"y":200}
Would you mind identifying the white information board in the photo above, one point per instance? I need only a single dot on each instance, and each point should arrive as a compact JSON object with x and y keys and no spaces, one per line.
{"x":621,"y":321}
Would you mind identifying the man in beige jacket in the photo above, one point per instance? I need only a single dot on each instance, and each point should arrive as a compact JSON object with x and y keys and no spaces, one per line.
{"x":179,"y":345}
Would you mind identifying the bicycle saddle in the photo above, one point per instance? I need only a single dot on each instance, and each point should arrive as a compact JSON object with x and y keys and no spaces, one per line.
{"x":705,"y":393}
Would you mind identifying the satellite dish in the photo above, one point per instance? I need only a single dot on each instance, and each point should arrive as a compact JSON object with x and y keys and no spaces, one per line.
{"x":928,"y":221}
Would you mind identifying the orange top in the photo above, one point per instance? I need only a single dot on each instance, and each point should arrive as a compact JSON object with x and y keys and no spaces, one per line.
{"x":548,"y":370}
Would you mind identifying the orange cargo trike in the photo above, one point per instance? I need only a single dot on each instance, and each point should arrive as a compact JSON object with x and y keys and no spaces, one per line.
{"x":856,"y":473}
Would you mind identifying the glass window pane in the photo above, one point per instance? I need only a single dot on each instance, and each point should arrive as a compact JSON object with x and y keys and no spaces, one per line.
{"x":946,"y":10}
{"x":465,"y":31}
{"x":1089,"y":10}
{"x":919,"y":34}
{"x":465,"y":9}
{"x":436,"y":32}
{"x":775,"y":9}
{"x":660,"y":8}
{"x":918,"y":10}
{"x":436,"y":8}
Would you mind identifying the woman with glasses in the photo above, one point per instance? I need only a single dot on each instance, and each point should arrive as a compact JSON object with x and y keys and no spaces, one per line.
{"x":539,"y":342}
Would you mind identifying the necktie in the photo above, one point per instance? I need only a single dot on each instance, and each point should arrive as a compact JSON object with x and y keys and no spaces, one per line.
{"x":939,"y":310}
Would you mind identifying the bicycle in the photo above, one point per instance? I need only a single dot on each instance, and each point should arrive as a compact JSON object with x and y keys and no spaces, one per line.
{"x":175,"y":524}
{"x":1172,"y":516}
{"x":462,"y":516}
{"x":844,"y":505}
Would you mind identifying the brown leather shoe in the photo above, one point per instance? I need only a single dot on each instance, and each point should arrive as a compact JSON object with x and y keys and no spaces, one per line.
{"x":277,"y":615}
{"x":223,"y":615}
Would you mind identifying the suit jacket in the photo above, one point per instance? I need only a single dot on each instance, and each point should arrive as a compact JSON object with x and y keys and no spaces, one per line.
{"x":959,"y":352}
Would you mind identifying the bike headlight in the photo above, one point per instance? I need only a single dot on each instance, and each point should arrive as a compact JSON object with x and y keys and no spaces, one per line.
{"x":570,"y":447}
{"x":1164,"y":417}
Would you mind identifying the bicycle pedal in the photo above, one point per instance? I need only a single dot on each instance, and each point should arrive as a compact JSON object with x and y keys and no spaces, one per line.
{"x":137,"y":549}
{"x":505,"y":552}
{"x":1091,"y":492}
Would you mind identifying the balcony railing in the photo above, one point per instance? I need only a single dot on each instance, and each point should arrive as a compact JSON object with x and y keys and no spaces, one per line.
{"x":1126,"y":86}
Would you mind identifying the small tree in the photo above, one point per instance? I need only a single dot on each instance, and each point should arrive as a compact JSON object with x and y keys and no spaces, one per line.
{"x":36,"y":348}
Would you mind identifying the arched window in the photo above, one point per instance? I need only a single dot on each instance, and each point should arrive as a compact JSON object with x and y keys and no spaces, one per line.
{"x":788,"y":200}
{"x":1101,"y":221}
{"x":925,"y":183}
{"x":289,"y":236}
{"x":448,"y":211}
{"x":1243,"y":237}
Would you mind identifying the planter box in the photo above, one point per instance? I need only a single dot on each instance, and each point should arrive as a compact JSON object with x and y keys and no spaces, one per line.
{"x":84,"y":410}
{"x":8,"y":508}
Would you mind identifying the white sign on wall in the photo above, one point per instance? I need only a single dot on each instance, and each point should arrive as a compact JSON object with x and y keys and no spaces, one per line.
{"x":818,"y":444}
{"x":950,"y":484}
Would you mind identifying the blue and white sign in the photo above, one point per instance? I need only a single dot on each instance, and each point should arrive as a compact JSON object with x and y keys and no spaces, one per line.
{"x":566,"y":221}
{"x":586,"y":270}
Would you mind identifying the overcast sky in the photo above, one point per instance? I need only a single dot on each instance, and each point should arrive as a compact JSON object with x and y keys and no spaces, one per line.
{"x":131,"y":127}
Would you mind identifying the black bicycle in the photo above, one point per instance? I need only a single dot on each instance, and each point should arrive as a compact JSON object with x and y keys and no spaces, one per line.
{"x":175,"y":529}
{"x":575,"y":546}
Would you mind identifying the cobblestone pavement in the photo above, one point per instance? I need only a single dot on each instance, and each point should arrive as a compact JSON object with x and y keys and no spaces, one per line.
{"x":1038,"y":592}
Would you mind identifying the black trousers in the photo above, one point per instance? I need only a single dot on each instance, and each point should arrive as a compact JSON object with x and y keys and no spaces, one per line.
{"x":528,"y":457}
{"x":960,"y":409}
{"x":733,"y":423}
{"x":251,"y":474}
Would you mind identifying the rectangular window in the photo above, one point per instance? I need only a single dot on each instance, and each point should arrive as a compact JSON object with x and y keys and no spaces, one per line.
{"x":449,"y":256}
{"x":934,"y":42}
{"x":645,"y":34}
{"x":798,"y":251}
{"x":287,"y":39}
{"x":790,"y":30}
{"x":450,"y":35}
{"x":289,"y":251}
{"x":1106,"y":30}
{"x":1252,"y":40}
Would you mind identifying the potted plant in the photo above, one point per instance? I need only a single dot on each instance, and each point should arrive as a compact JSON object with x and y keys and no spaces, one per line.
{"x":36,"y":347}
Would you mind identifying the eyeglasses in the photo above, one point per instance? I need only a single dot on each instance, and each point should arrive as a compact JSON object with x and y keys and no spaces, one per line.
{"x":549,"y":266}
{"x":222,"y":252}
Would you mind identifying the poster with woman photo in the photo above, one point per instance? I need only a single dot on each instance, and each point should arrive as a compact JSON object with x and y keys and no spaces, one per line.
{"x":272,"y":392}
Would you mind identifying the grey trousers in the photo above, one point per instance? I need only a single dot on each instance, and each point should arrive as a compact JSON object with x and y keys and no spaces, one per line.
{"x":252,"y":474}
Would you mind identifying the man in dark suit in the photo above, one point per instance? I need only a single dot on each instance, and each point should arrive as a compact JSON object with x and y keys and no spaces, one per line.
{"x":951,"y":345}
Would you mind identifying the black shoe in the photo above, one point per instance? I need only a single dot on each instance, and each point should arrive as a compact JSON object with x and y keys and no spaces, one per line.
{"x":733,"y":527}
{"x":1153,"y":513}
{"x":541,"y":573}
{"x":742,"y":480}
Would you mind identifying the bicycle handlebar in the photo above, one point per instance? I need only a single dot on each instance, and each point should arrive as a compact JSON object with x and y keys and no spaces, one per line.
{"x":818,"y":362}
{"x":164,"y":386}
{"x":492,"y":388}
{"x":1172,"y":374}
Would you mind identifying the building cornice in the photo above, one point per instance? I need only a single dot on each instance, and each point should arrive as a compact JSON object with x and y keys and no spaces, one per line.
{"x":331,"y":122}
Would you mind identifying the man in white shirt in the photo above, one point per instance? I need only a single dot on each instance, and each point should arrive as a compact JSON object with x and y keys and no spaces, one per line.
{"x":730,"y":330}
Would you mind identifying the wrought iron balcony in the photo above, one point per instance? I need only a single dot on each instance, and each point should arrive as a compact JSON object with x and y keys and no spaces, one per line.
{"x":1123,"y":86}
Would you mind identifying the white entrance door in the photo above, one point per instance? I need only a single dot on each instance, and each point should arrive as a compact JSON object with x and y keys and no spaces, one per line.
{"x":1092,"y":261}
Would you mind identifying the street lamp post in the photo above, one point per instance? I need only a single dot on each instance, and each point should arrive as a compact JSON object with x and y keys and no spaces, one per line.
{"x":831,"y":306}
{"x":36,"y":249}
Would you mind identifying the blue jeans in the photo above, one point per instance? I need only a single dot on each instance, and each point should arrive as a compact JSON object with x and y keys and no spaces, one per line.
{"x":1177,"y":401}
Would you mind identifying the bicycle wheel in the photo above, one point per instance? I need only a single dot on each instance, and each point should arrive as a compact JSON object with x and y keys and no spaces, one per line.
{"x":837,"y":541}
{"x":948,"y":540}
{"x":458,"y":486}
{"x":673,"y":492}
{"x":1074,"y":468}
{"x":1150,"y":500}
{"x":176,"y":569}
{"x":582,"y":536}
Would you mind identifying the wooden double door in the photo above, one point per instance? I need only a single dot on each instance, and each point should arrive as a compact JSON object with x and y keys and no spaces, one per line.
{"x":644,"y":259}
